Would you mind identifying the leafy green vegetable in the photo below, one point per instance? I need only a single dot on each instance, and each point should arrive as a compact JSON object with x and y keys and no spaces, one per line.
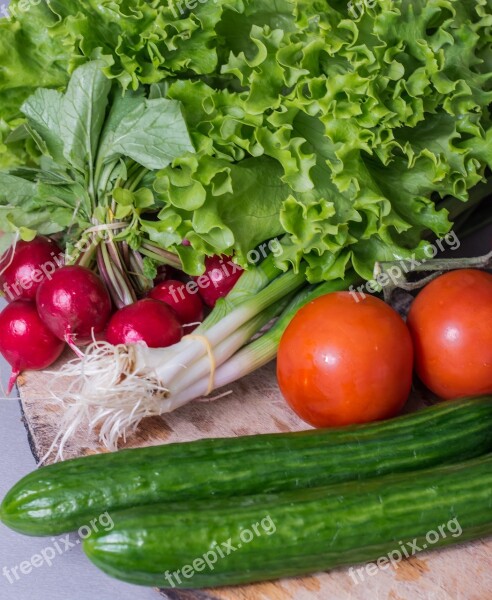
{"x":93,"y":162}
{"x":151,"y":132}
{"x":340,"y":135}
{"x":19,"y":204}
{"x":82,"y":116}
{"x":31,"y":56}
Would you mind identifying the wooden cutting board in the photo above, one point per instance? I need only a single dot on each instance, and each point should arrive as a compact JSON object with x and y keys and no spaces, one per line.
{"x":256,"y":406}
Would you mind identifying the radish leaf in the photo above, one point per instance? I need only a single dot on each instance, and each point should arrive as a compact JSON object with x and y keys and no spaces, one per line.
{"x":152,"y":133}
{"x":83,"y":115}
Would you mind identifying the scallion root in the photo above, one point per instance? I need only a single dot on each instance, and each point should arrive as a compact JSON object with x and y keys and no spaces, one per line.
{"x":107,"y":391}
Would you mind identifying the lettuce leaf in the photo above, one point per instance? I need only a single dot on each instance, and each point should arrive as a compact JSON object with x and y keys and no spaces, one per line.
{"x":29,"y":57}
{"x":337,"y":133}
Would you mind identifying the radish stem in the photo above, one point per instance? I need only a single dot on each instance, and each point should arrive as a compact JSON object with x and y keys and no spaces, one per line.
{"x":162,"y":256}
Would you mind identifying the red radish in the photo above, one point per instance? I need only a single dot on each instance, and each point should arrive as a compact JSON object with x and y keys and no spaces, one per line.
{"x":25,"y":341}
{"x":176,"y":294}
{"x":221,"y":275}
{"x":25,"y":267}
{"x":74,"y":304}
{"x":148,"y":321}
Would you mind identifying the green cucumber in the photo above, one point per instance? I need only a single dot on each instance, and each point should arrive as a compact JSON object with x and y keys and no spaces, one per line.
{"x":65,"y":496}
{"x":296,"y":533}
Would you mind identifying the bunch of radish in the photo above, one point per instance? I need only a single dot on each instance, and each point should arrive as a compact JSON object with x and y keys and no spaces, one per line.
{"x":52,"y":305}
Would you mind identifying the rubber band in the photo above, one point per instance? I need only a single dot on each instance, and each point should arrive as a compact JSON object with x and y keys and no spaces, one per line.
{"x":213,"y":364}
{"x":104,"y":227}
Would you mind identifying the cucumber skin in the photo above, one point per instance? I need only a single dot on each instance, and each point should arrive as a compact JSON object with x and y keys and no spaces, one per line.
{"x":63,"y":497}
{"x":315,"y":529}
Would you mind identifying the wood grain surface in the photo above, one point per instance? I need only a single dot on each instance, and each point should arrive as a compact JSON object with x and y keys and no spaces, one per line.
{"x":256,"y":406}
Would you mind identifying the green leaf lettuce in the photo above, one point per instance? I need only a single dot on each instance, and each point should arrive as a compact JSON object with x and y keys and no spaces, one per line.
{"x":339,"y":135}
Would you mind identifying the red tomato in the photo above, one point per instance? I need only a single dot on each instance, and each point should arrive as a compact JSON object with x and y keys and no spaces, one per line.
{"x":345,"y":359}
{"x":451,"y":325}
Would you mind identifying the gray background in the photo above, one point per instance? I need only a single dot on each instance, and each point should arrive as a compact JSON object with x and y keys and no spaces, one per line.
{"x":71,"y":576}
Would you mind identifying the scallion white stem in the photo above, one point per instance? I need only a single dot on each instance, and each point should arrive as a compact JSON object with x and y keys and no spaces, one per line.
{"x":278,"y":289}
{"x":201,"y":369}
